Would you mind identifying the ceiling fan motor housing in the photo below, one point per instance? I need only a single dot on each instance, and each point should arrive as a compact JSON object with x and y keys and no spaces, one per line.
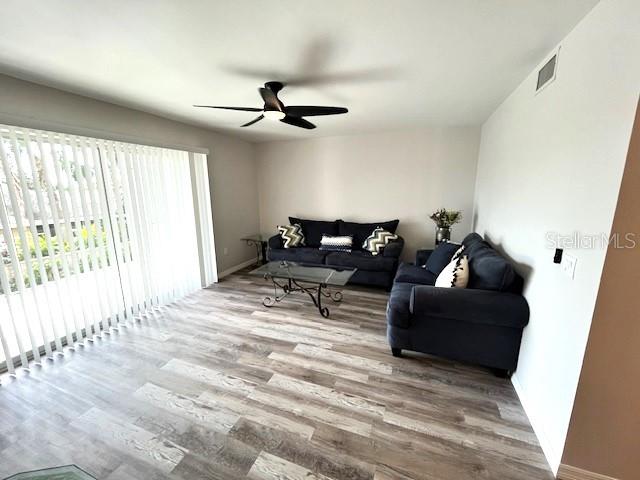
{"x":275,"y":87}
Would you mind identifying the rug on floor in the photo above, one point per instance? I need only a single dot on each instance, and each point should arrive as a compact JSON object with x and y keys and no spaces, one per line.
{"x":67,"y":472}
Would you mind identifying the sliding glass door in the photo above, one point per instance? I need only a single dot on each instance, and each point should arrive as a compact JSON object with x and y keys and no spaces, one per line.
{"x":94,"y":233}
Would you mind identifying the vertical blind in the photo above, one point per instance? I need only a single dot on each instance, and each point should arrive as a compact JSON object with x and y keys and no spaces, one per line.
{"x":94,"y":233}
{"x":202,"y":201}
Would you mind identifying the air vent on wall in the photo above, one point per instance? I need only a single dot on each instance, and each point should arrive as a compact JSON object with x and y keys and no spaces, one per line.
{"x":547,"y":73}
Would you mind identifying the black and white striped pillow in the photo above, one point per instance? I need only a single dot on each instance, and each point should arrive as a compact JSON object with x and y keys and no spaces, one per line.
{"x":378,"y":239}
{"x":291,"y":235}
{"x":341,"y":243}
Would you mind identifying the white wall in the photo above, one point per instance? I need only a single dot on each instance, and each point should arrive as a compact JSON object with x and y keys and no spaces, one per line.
{"x":231,"y":161}
{"x":553,"y":162}
{"x":372,"y":177}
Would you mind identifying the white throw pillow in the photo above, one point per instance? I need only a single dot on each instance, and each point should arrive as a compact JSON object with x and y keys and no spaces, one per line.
{"x":455,"y":275}
{"x":336,"y":243}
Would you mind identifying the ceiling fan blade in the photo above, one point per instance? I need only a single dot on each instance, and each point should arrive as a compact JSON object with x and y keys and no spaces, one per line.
{"x":298,"y":122}
{"x":311,"y":111}
{"x":271,"y":101}
{"x":242,"y":109}
{"x":353,"y":77}
{"x":257,"y":119}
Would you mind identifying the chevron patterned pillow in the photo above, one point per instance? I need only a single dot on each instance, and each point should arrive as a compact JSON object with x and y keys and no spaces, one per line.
{"x":291,"y":235}
{"x":378,"y":239}
{"x":341,"y":243}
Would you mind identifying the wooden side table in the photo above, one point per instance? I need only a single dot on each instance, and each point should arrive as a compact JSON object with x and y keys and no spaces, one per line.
{"x":260,"y":242}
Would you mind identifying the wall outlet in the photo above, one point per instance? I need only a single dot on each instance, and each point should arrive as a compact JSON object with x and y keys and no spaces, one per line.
{"x":225,"y":251}
{"x":568,"y":265}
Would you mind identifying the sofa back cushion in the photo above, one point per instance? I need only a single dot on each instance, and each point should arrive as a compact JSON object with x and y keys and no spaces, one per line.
{"x":488,"y":269}
{"x":361,"y":231}
{"x":471,"y":239}
{"x":314,"y":229}
{"x":440,"y":257}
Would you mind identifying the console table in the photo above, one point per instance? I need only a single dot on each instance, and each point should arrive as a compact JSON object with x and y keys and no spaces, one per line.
{"x":260,"y":242}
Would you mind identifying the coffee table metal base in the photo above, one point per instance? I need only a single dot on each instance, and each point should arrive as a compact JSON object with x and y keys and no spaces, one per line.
{"x":315,"y":292}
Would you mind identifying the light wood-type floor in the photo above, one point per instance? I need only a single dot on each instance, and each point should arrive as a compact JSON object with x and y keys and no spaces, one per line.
{"x":220,"y":387}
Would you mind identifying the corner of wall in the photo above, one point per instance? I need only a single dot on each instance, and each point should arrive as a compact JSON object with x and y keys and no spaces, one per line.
{"x":537,"y":423}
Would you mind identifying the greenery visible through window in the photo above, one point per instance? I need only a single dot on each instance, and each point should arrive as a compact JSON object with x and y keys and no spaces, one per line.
{"x":65,"y":180}
{"x":62,"y":251}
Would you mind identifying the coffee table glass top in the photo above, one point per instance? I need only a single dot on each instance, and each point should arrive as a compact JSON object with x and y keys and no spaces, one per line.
{"x":67,"y":472}
{"x":301,"y":272}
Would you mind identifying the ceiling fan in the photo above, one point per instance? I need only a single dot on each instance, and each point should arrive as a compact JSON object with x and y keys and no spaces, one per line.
{"x":274,"y":109}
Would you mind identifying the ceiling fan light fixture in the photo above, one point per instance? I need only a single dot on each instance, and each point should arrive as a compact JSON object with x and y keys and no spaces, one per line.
{"x":273,"y":114}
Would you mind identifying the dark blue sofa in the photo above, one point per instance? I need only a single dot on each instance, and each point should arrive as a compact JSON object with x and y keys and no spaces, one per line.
{"x":373,"y":270}
{"x":480,"y":324}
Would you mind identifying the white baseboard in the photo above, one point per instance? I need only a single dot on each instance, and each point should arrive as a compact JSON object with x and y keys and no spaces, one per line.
{"x":240,"y":266}
{"x":567,"y":472}
{"x":553,"y":457}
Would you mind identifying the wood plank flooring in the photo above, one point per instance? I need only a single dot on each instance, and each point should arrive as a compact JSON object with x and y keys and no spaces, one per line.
{"x":219,"y":387}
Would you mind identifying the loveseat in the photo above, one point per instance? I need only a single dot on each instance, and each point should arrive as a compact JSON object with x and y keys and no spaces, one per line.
{"x":372,"y":270}
{"x":480,"y":324}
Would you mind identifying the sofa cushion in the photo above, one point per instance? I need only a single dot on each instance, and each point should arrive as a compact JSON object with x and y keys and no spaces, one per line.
{"x":409,"y":273}
{"x":441,"y":257}
{"x":398,"y":306}
{"x":298,"y":254}
{"x":314,"y":229}
{"x":362,"y":261}
{"x":360,"y":231}
{"x":488,"y":270}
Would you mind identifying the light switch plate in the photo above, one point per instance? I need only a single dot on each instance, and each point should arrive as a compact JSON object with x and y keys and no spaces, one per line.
{"x":568,"y":265}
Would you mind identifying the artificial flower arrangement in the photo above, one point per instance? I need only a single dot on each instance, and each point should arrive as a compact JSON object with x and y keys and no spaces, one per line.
{"x":446,"y":218}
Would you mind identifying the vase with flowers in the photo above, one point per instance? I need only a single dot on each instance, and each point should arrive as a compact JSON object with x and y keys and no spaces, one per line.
{"x":444,"y":220}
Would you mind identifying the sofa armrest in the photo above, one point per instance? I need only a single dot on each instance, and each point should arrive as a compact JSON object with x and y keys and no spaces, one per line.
{"x":422,"y":256}
{"x":394,"y":249}
{"x":470,"y":305}
{"x":275,"y":241}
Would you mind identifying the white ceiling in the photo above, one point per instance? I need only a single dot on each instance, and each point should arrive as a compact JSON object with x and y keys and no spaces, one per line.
{"x":393,"y":63}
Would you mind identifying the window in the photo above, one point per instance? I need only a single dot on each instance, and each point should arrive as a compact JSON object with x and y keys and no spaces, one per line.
{"x":94,"y":233}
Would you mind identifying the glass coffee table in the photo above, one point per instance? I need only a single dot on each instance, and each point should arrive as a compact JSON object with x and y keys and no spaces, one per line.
{"x":289,"y":277}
